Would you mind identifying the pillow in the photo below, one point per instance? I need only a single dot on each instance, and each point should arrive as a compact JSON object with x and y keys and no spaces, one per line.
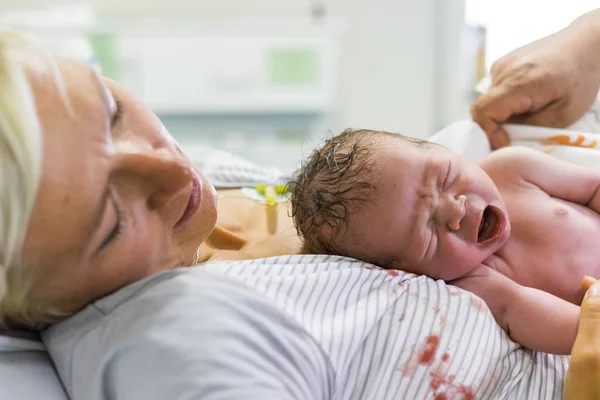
{"x":26,"y":371}
{"x":226,"y":170}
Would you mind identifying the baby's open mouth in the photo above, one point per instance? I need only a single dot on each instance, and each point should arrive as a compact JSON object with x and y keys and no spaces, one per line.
{"x":489,"y":227}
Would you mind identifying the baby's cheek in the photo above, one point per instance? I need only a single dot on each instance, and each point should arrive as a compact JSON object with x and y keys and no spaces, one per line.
{"x":459,"y":259}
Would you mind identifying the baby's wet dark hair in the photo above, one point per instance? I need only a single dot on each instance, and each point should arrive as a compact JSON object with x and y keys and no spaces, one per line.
{"x":335,"y":182}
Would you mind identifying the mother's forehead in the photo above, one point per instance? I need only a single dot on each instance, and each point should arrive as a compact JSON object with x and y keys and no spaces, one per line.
{"x":73,"y":159}
{"x":72,"y":87}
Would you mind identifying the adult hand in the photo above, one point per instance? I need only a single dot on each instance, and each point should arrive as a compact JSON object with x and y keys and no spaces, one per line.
{"x":550,"y":82}
{"x":583,"y":378}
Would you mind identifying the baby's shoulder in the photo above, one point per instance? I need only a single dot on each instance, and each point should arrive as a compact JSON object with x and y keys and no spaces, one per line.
{"x":508,"y":156}
{"x":487,"y":282}
{"x":509,"y":163}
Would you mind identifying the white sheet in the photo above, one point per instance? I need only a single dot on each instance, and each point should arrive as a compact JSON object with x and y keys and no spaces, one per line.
{"x":226,"y":170}
{"x":26,"y":372}
{"x":469,"y":140}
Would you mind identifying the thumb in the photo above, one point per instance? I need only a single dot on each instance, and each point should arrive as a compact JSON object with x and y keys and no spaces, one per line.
{"x":589,"y":320}
{"x":586,"y":282}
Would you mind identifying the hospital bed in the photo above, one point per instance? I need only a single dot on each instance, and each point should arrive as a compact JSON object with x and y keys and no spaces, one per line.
{"x":27,"y":373}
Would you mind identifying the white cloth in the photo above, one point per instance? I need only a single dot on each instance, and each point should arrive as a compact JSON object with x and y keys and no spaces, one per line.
{"x":469,"y":140}
{"x":295,"y":327}
{"x":226,"y":170}
{"x":26,"y":372}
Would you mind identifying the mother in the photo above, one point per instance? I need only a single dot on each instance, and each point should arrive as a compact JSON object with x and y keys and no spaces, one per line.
{"x":95,"y":194}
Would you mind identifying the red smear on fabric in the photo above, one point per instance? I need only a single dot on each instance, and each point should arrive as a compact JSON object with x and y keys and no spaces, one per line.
{"x":392,"y":272}
{"x":430,"y":349}
{"x":466,"y":391}
{"x":441,"y":396}
{"x":436,"y":381}
{"x":478,"y":304}
{"x":445,"y":357}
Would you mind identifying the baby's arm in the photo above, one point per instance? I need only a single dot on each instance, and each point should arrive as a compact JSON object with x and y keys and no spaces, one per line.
{"x":533,"y":318}
{"x":558,"y":178}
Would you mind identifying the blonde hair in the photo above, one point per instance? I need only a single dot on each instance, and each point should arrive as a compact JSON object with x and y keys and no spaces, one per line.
{"x":20,"y":168}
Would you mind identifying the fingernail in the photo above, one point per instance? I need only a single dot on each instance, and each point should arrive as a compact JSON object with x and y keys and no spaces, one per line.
{"x":595,"y":289}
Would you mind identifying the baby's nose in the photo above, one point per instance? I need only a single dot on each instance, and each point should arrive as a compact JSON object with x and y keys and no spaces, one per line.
{"x":458,"y":211}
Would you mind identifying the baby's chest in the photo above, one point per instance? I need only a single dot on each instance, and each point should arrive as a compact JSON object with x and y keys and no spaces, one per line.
{"x":553,"y":243}
{"x":540,"y":221}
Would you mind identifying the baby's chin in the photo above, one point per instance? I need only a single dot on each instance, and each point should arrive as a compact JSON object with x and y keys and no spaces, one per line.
{"x":450,"y":269}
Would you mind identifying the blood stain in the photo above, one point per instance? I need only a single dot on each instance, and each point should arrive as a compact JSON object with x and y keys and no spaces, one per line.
{"x":436,"y":381}
{"x":466,"y":391}
{"x":478,"y":304}
{"x":431,"y":346}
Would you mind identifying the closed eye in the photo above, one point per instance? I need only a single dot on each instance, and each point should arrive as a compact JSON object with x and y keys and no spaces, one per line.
{"x":447,"y":182}
{"x":118,"y":115}
{"x":432,"y":238}
{"x":117,"y":228}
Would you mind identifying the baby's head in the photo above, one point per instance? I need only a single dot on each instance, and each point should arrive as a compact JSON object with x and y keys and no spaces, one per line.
{"x":399,"y":203}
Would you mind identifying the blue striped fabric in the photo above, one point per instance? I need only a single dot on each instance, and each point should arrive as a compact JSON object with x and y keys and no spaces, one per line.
{"x":394,"y":335}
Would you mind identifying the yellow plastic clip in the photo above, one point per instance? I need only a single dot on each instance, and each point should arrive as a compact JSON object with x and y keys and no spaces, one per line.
{"x":269,"y":191}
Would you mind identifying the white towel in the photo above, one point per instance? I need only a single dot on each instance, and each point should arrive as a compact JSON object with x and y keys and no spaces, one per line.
{"x":469,"y":140}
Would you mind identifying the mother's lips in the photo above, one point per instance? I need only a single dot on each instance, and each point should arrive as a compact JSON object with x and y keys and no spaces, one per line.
{"x":193,"y":202}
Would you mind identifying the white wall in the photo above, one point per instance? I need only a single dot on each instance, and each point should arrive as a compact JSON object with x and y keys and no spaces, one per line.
{"x":205,"y":8}
{"x":514,"y":23}
{"x":387,"y":75}
{"x":387,"y":71}
{"x":453,"y":65}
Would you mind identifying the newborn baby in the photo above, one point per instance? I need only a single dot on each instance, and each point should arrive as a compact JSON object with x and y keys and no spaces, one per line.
{"x":519,"y":230}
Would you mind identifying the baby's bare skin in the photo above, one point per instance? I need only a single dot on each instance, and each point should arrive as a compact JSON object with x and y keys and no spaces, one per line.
{"x":428,"y":216}
{"x":554,"y":242}
{"x":555,"y":228}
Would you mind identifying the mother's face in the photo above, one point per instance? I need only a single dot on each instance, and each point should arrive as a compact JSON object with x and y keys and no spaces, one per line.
{"x":118,"y":201}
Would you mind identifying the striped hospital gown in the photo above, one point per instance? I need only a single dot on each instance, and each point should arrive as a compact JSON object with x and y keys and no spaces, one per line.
{"x":296,"y":327}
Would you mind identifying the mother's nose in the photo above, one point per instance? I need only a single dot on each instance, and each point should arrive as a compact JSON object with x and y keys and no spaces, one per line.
{"x":161,"y":173}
